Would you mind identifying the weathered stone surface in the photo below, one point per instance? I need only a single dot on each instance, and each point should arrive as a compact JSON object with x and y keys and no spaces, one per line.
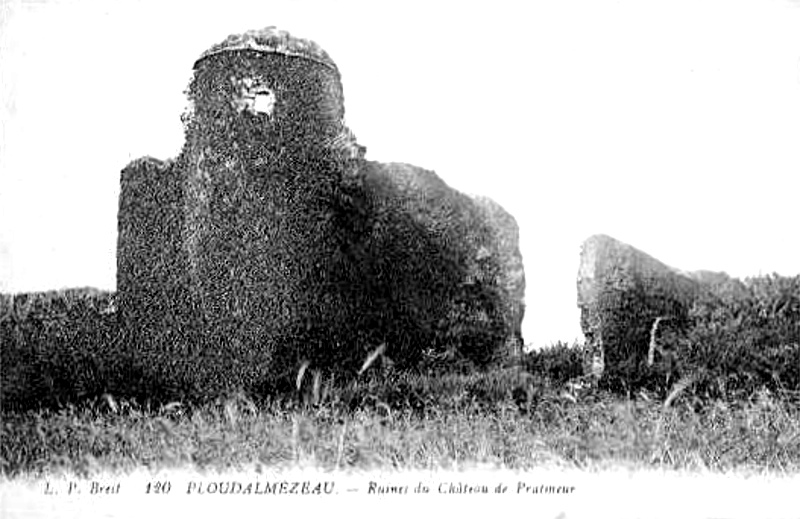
{"x":509,"y":275}
{"x":625,"y":297}
{"x":449,"y":265}
{"x":271,"y":241}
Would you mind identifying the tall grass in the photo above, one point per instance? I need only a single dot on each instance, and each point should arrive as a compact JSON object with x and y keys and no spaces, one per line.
{"x":595,"y":432}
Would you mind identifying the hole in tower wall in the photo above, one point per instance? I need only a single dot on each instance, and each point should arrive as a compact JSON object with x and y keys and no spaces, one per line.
{"x":264,"y":103}
{"x":253,"y":95}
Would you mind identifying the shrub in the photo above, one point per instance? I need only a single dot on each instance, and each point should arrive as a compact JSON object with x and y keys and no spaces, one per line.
{"x":58,"y":347}
{"x":557,"y":363}
{"x":739,"y":343}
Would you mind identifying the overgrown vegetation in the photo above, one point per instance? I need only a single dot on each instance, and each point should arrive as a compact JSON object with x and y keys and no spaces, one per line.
{"x":739,"y":341}
{"x":58,"y":347}
{"x":732,"y":401}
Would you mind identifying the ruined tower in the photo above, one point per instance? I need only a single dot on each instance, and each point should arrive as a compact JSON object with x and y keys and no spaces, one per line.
{"x":271,"y":241}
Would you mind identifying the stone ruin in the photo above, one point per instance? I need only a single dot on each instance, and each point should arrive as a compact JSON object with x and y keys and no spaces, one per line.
{"x":271,"y":241}
{"x":629,"y":300}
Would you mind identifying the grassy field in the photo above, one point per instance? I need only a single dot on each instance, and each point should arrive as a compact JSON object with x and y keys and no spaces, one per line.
{"x":372,"y":426}
{"x":542,"y":413}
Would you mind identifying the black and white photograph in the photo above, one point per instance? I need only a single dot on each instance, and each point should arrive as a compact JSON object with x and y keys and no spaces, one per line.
{"x":307,"y":257}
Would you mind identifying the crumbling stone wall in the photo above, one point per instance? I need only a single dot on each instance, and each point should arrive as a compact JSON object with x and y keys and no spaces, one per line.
{"x":448,"y":266}
{"x":627,"y":298}
{"x":508,"y":272}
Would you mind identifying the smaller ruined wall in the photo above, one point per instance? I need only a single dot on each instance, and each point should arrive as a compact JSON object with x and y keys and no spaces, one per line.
{"x":621,"y":293}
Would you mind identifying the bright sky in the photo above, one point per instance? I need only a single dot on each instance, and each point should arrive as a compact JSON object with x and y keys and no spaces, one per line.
{"x":671,"y":125}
